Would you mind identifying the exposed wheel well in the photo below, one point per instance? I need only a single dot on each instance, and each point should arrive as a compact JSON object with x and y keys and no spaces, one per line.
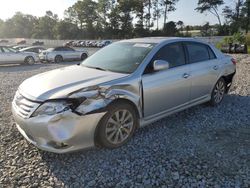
{"x":117,"y":101}
{"x":228,"y":79}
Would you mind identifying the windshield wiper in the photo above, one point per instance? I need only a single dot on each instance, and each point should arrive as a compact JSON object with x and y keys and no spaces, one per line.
{"x":97,"y":68}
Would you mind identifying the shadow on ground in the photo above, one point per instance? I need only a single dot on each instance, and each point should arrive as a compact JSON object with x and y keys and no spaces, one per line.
{"x":201,"y":142}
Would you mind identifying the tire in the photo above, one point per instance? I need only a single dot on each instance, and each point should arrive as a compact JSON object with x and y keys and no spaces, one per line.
{"x":110,"y":133}
{"x":84,"y":56}
{"x":29,"y":60}
{"x":218,"y":92}
{"x":58,"y":59}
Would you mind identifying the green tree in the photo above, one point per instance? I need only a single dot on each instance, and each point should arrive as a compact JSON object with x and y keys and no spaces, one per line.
{"x":45,"y":27}
{"x":180,"y":24}
{"x":169,"y":6}
{"x":157,"y":11}
{"x":114,"y":23}
{"x":206,"y":30}
{"x":246,"y":16}
{"x":126,"y":8}
{"x":84,"y":13}
{"x":1,"y":28}
{"x":233,"y":16}
{"x":210,"y":6}
{"x":20,"y":25}
{"x":66,"y":30}
{"x":170,"y":29}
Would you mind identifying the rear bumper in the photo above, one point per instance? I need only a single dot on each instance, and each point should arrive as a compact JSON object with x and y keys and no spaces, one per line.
{"x":44,"y":58}
{"x":60,"y":133}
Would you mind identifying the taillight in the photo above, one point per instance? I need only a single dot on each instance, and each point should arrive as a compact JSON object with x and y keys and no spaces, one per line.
{"x":234,"y":61}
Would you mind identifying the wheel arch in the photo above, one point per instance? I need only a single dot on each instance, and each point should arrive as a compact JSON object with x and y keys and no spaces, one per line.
{"x":228,"y":79}
{"x":118,"y":101}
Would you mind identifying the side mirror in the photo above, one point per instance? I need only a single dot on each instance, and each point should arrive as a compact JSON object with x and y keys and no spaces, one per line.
{"x":160,"y":65}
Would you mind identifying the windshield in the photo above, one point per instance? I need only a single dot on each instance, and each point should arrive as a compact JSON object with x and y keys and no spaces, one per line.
{"x":8,"y":49}
{"x":122,"y":57}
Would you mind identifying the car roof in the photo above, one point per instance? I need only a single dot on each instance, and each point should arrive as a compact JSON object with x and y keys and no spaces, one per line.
{"x":158,"y":40}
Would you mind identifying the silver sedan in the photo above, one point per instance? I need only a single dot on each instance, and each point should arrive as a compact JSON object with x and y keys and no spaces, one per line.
{"x":60,"y":54}
{"x":9,"y":55}
{"x":122,"y":87}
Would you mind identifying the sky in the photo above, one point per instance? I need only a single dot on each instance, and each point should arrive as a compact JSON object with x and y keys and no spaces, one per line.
{"x":185,"y":10}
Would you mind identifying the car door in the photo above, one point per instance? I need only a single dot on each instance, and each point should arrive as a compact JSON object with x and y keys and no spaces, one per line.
{"x":63,"y":52}
{"x":10,"y":55}
{"x":72,"y":53}
{"x":204,"y":70}
{"x":166,"y":90}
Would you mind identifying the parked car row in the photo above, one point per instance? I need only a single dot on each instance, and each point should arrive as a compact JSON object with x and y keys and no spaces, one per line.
{"x":32,"y":54}
{"x":87,"y":43}
{"x":235,"y":48}
{"x":62,"y":53}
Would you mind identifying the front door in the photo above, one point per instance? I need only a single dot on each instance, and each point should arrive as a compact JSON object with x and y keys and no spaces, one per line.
{"x":166,"y":90}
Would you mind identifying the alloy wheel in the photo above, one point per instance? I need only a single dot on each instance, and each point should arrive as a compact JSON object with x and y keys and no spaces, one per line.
{"x":219,"y":91}
{"x":119,"y":126}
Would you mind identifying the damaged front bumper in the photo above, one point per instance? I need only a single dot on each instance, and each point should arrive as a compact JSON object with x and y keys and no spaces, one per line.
{"x":60,"y":133}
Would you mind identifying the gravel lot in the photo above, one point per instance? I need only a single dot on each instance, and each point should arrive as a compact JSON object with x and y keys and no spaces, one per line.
{"x":200,"y":147}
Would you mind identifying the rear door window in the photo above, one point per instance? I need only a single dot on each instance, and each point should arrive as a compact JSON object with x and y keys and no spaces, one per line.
{"x":197,"y":52}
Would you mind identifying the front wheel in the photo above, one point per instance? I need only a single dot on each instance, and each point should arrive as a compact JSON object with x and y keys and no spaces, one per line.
{"x":58,"y":59}
{"x":218,"y":92}
{"x":84,"y":56}
{"x":117,"y":126}
{"x":29,"y":60}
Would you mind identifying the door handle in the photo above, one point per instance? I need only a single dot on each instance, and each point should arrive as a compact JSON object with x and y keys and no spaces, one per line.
{"x":215,"y":67}
{"x":185,"y":75}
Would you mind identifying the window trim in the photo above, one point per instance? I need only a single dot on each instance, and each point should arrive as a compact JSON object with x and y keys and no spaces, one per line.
{"x":198,"y":43}
{"x":211,"y":50}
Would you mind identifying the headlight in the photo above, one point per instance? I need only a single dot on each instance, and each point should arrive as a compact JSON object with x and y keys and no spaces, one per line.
{"x":52,"y":108}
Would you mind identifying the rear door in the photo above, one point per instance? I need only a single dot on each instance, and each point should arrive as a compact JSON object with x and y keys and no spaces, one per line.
{"x":166,"y":90}
{"x":204,"y":70}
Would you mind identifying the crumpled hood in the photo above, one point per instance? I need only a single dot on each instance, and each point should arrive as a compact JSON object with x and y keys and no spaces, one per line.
{"x":60,"y":82}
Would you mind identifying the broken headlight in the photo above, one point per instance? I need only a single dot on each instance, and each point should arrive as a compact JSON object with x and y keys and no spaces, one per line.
{"x":57,"y":106}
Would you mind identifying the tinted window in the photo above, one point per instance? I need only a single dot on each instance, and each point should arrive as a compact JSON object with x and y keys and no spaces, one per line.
{"x":58,"y":49}
{"x":197,"y":52}
{"x":69,"y":49}
{"x":173,"y":53}
{"x":211,"y":53}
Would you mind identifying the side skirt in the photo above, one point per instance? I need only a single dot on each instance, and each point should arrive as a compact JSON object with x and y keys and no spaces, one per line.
{"x":151,"y":119}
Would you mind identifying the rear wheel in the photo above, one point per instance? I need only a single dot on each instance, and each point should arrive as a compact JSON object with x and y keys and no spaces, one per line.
{"x":84,"y":56}
{"x":218,"y":92}
{"x":58,"y":59}
{"x":117,"y":126}
{"x":29,"y":60}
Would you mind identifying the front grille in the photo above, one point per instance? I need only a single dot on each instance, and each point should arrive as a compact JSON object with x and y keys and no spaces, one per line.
{"x":23,"y":106}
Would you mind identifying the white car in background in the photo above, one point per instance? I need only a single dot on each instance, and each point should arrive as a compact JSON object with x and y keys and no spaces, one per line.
{"x":9,"y":55}
{"x":62,"y":53}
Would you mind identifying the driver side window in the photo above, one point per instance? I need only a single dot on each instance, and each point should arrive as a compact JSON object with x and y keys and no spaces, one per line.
{"x":172,"y":53}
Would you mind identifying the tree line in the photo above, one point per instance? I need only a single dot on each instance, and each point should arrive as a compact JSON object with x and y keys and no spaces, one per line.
{"x":114,"y":19}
